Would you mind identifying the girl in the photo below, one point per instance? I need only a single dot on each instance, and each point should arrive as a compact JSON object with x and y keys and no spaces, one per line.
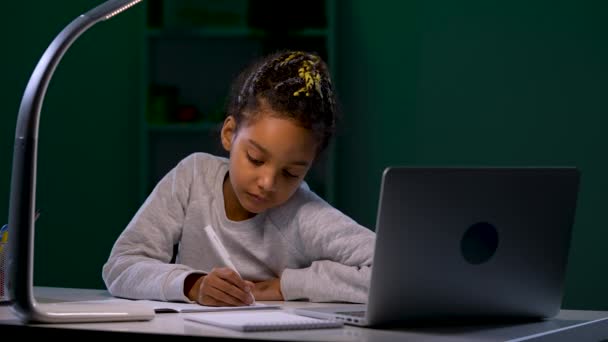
{"x":285,"y":242}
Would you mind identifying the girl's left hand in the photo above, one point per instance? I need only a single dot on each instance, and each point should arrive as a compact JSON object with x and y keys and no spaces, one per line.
{"x":268,"y":290}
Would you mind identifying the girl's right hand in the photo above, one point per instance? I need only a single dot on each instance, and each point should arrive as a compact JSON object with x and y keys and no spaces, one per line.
{"x":222,"y":287}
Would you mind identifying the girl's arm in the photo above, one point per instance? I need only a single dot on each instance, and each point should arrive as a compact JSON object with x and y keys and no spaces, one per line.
{"x":340,"y":253}
{"x":139,"y":264}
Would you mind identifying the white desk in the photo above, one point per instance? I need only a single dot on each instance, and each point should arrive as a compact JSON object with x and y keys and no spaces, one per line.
{"x":575,"y":325}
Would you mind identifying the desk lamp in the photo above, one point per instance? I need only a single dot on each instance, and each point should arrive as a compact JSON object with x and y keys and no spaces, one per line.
{"x":23,"y":192}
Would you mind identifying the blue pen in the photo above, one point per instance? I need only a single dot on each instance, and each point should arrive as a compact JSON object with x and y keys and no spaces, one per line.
{"x":3,"y":237}
{"x":4,"y":233}
{"x":4,"y":229}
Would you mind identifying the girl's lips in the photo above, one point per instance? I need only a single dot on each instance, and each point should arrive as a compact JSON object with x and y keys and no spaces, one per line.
{"x":257,"y":198}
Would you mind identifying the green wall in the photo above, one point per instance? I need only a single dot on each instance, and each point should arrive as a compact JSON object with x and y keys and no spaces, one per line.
{"x":87,"y":171}
{"x":439,"y":82}
{"x":425,"y":82}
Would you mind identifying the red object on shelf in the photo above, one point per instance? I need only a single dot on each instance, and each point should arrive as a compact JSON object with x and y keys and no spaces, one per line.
{"x":186,"y":114}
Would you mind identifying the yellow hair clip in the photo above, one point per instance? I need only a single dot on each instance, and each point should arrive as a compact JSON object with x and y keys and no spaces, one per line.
{"x":312,"y":79}
{"x":290,"y":57}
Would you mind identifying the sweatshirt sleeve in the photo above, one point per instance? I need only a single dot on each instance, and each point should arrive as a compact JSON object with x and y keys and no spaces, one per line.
{"x":139,"y":264}
{"x":339,"y":251}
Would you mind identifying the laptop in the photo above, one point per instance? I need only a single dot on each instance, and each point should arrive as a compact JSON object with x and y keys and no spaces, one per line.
{"x":467,"y":243}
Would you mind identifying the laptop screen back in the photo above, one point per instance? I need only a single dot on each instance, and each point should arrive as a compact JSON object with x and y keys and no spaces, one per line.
{"x":471,"y":242}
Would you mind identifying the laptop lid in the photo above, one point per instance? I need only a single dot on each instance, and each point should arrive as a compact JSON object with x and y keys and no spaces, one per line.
{"x":469,"y":243}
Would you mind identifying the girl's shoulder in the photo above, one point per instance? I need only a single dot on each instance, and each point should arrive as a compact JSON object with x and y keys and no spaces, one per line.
{"x":203,"y":162}
{"x":303,"y":202}
{"x":201,"y":168}
{"x":203,"y":158}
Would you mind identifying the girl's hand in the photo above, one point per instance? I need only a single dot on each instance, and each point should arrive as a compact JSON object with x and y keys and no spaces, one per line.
{"x":222,"y":287}
{"x":268,"y":290}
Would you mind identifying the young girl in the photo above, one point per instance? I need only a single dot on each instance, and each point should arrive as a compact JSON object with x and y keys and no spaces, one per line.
{"x":285,"y":242}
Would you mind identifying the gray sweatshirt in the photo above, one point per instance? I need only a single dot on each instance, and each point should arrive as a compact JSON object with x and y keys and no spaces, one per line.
{"x":319,"y":253}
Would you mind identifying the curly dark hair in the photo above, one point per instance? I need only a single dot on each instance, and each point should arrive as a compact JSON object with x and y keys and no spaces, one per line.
{"x":296,"y":84}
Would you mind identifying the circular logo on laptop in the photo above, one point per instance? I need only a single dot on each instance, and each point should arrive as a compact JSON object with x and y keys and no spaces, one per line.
{"x":479,"y":243}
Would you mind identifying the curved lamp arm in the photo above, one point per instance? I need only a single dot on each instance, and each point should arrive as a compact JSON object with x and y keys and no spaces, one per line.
{"x":23,"y":178}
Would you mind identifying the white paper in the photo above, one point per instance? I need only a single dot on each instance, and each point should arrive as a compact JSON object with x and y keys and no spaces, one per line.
{"x":160,"y":307}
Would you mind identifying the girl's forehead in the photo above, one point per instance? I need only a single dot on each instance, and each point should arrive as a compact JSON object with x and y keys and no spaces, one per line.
{"x":280,"y":137}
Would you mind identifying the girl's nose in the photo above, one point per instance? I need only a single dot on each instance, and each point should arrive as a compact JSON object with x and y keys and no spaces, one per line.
{"x":267,"y":181}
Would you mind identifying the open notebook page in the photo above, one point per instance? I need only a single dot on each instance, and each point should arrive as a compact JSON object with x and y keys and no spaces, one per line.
{"x":161,"y":307}
{"x":166,"y":307}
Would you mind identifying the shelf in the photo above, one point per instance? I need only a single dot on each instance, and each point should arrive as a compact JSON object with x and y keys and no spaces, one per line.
{"x":184,"y":127}
{"x":228,"y":32}
{"x":191,"y":58}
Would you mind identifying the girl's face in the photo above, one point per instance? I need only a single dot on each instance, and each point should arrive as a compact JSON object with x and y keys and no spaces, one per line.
{"x":269,"y":158}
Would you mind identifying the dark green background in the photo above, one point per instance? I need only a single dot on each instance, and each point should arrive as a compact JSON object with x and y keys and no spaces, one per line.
{"x":88,"y":143}
{"x":427,"y":82}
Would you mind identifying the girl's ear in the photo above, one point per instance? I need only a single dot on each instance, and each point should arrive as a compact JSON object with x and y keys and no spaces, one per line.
{"x":228,"y":132}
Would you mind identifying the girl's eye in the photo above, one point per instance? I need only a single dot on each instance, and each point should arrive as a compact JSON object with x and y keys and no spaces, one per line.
{"x":289,"y":174}
{"x":253,"y":160}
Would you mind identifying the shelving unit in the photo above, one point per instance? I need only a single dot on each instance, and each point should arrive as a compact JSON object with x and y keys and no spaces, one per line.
{"x":193,"y":49}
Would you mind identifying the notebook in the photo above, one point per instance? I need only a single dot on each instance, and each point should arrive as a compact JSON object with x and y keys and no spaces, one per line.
{"x":467,"y":243}
{"x":173,"y":307}
{"x":262,"y":321}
